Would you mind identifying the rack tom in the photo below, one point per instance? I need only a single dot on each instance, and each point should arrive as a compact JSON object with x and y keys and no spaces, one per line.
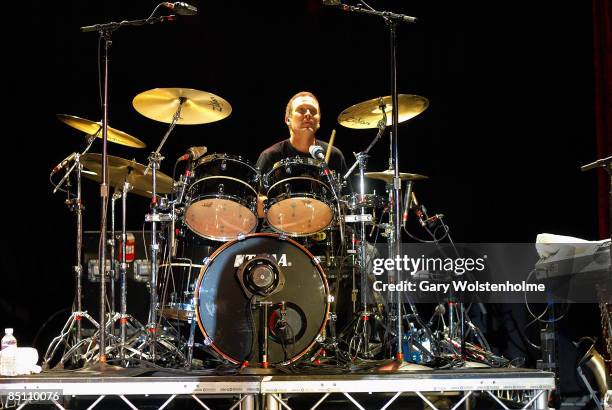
{"x":222,"y":200}
{"x":300,"y":201}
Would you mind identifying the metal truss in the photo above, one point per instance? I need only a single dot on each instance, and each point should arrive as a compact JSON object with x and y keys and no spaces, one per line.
{"x":528,"y":387}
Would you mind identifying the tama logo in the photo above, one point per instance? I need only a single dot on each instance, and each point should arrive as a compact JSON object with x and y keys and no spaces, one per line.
{"x":240,"y":259}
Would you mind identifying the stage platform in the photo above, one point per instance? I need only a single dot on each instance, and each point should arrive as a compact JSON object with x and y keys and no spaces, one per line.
{"x":137,"y":388}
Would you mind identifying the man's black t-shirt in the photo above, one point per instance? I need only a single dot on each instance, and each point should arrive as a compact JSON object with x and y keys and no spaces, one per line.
{"x":284,"y":149}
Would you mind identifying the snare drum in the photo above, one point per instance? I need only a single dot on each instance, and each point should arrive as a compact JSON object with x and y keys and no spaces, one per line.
{"x":300,"y":201}
{"x":222,"y":200}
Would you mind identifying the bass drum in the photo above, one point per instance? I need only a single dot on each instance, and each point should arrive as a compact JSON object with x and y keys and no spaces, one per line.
{"x":262,"y":268}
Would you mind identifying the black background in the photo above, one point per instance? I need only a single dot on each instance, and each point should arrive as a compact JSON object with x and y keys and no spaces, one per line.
{"x":510,"y":121}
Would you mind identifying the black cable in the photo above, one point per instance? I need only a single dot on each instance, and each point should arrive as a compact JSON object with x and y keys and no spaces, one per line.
{"x":46,"y":323}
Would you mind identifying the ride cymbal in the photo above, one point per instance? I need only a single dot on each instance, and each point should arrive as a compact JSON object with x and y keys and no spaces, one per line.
{"x":199,"y":107}
{"x":387,"y":176}
{"x":91,"y":127}
{"x":367,"y":114}
{"x":120,"y":170}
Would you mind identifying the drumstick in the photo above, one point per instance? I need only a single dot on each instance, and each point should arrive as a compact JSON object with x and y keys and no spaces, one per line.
{"x":330,"y":145}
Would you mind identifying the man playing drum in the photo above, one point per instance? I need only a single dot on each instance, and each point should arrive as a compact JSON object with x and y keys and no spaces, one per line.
{"x":303,"y":118}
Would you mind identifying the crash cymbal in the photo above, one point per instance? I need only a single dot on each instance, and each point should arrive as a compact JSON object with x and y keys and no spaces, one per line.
{"x":120,"y":169}
{"x":200,"y":107}
{"x":367,"y":114}
{"x":91,"y":127}
{"x":387,"y":176}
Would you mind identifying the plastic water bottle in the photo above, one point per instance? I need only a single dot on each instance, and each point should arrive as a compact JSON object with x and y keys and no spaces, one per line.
{"x":8,"y":354}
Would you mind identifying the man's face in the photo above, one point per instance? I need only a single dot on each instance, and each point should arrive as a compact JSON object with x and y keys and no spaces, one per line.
{"x":304,"y":114}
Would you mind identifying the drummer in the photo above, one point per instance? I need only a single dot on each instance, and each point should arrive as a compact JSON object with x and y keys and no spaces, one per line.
{"x":303,"y":118}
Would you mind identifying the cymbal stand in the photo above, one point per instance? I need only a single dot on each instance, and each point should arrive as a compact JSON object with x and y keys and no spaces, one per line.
{"x":154,"y":161}
{"x":361,"y":338}
{"x":123,"y":317}
{"x":75,"y":205}
{"x":112,"y":243}
{"x":123,"y":267}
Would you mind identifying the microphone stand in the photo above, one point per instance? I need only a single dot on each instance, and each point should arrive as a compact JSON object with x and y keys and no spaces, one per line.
{"x":392,"y":19}
{"x":105,"y":31}
{"x":606,"y":164}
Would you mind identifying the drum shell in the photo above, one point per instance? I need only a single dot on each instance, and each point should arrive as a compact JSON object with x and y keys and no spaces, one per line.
{"x":224,"y":311}
{"x":178,"y":278}
{"x":229,"y":184}
{"x":300,"y":179}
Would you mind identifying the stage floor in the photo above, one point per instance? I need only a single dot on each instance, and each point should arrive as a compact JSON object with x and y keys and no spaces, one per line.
{"x":500,"y":386}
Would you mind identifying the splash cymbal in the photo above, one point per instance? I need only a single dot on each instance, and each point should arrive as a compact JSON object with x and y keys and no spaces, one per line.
{"x":367,"y":114}
{"x":199,"y":107}
{"x":387,"y":176}
{"x":120,"y":170}
{"x":91,"y":127}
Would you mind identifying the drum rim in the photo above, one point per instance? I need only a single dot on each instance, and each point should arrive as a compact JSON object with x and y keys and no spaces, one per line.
{"x":223,"y":238}
{"x":252,"y":208}
{"x":228,"y":244}
{"x":274,"y":201}
{"x":298,"y":159}
{"x":235,"y":158}
{"x":268,"y":189}
{"x":222,"y":177}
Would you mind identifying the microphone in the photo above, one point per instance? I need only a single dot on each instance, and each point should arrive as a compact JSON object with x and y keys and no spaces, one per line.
{"x":193,"y":153}
{"x":421,"y":213}
{"x":430,"y":222}
{"x":62,"y":164}
{"x":182,"y":8}
{"x":317,"y":152}
{"x":408,"y":204}
{"x":439,"y":310}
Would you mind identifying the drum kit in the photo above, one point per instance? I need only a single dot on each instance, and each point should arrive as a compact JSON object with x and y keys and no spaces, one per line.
{"x":257,"y":295}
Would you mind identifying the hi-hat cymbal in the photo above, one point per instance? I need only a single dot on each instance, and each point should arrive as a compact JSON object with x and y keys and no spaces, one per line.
{"x":120,"y":170}
{"x":367,"y":114}
{"x":91,"y":127}
{"x":199,"y":107}
{"x":387,"y":176}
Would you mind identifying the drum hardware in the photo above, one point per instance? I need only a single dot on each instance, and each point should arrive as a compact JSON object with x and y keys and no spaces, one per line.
{"x":263,"y":354}
{"x":173,"y":106}
{"x":260,"y":276}
{"x":105,"y":32}
{"x":361,"y":159}
{"x":372,"y":114}
{"x":75,"y":205}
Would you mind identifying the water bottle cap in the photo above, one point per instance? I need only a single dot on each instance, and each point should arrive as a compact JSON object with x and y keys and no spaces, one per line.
{"x":8,"y":330}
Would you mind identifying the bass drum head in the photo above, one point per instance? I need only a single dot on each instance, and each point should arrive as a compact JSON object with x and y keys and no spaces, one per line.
{"x":227,"y":307}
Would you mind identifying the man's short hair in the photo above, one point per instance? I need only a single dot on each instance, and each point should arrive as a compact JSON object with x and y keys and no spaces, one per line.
{"x":300,"y":94}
